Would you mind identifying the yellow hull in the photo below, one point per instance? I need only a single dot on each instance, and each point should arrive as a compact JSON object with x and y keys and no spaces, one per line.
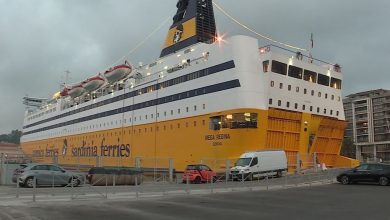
{"x":190,"y":140}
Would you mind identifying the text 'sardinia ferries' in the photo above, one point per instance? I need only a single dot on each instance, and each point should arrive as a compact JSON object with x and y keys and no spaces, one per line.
{"x":203,"y":99}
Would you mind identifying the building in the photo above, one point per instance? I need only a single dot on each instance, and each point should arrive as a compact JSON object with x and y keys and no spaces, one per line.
{"x":9,"y":150}
{"x":368,"y":116}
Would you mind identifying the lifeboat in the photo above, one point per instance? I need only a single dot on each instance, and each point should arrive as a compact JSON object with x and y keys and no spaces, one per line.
{"x":93,"y":83}
{"x":117,"y":73}
{"x":73,"y":91}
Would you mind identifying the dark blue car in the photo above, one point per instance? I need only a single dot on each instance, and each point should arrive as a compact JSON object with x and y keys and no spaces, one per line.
{"x":371,"y":172}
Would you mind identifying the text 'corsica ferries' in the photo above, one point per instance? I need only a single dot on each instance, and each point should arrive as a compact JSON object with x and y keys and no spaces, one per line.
{"x":202,"y":98}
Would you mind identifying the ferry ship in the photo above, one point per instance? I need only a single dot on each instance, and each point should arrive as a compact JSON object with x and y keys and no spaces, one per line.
{"x":204,"y":97}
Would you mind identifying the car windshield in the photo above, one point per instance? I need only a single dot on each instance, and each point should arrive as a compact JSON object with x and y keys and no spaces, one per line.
{"x":193,"y":167}
{"x":243,"y":162}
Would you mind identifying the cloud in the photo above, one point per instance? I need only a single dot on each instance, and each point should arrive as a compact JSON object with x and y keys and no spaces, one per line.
{"x":41,"y":39}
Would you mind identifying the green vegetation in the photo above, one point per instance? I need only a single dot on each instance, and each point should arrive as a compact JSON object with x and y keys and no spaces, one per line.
{"x":13,"y":137}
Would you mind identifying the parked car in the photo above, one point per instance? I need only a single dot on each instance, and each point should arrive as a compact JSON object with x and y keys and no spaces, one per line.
{"x":372,"y":172}
{"x":47,"y":174}
{"x":259,"y":163}
{"x":199,"y":173}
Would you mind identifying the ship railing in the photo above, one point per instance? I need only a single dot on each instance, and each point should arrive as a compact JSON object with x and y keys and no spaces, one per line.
{"x":300,"y":56}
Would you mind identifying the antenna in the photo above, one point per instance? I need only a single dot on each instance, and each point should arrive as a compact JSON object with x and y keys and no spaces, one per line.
{"x":66,"y":79}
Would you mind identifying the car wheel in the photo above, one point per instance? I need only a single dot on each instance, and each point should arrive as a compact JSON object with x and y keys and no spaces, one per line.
{"x":29,"y":182}
{"x":198,"y":180}
{"x":344,"y":180}
{"x":383,"y":181}
{"x":74,"y":182}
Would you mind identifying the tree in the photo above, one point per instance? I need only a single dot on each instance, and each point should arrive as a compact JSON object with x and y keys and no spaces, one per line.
{"x":348,"y":148}
{"x":13,"y":137}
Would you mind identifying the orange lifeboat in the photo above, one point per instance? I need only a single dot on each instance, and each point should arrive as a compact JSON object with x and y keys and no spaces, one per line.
{"x":117,"y":73}
{"x":93,"y":83}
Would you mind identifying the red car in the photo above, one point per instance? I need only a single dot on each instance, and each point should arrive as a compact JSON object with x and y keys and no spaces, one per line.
{"x":199,"y":173}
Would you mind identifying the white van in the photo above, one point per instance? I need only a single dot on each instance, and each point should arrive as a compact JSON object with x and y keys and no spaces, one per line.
{"x":260,"y":163}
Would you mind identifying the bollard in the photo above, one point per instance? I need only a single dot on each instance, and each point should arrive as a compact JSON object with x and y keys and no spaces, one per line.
{"x":106,"y":187}
{"x":187,"y":185}
{"x":17,"y":187}
{"x":171,"y":170}
{"x":71,"y":185}
{"x":227,"y":173}
{"x":136,"y":187}
{"x":34,"y":188}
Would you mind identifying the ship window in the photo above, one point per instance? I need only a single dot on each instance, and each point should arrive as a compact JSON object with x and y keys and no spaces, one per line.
{"x":332,"y":97}
{"x":312,"y":92}
{"x":335,"y":83}
{"x":318,"y":109}
{"x":146,"y":116}
{"x":178,"y":111}
{"x":215,"y":123}
{"x":203,"y":122}
{"x":204,"y":106}
{"x":303,"y":107}
{"x":265,"y":66}
{"x":279,"y":102}
{"x":194,"y":107}
{"x":297,"y":89}
{"x":331,"y":112}
{"x":171,"y":112}
{"x":278,"y":67}
{"x":272,"y":83}
{"x":187,"y":109}
{"x":319,"y":94}
{"x":165,"y":113}
{"x":311,"y":108}
{"x":310,"y":76}
{"x":296,"y":106}
{"x":288,"y":104}
{"x":289,"y":87}
{"x":323,"y":80}
{"x":305,"y":91}
{"x":280,"y":85}
{"x":337,"y":113}
{"x":324,"y":110}
{"x":239,"y":120}
{"x":270,"y":101}
{"x":295,"y":72}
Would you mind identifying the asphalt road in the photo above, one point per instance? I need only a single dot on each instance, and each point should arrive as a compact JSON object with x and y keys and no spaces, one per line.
{"x":332,"y":201}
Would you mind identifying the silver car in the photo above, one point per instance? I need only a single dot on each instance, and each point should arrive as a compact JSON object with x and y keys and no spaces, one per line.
{"x":48,"y":175}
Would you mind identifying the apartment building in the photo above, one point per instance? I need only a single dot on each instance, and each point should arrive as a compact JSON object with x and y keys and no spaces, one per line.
{"x":368,"y":116}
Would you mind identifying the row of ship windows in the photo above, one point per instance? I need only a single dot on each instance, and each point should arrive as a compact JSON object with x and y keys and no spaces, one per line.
{"x":172,"y":112}
{"x":135,"y":131}
{"x":148,"y":89}
{"x":305,"y":91}
{"x":41,"y":114}
{"x":311,"y":108}
{"x":299,"y":73}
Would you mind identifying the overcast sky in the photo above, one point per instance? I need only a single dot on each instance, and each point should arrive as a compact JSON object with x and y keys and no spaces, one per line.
{"x":41,"y":39}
